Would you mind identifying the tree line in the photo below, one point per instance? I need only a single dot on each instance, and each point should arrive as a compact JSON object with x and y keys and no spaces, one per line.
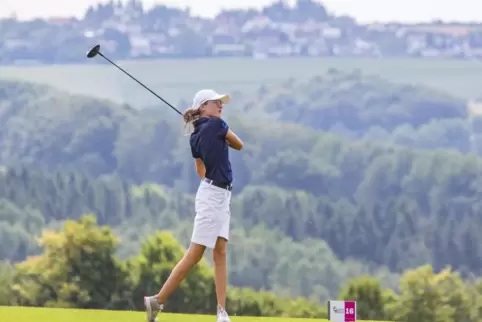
{"x":424,"y":295}
{"x":78,"y":268}
{"x":260,"y":257}
{"x":359,"y":106}
{"x":400,"y":206}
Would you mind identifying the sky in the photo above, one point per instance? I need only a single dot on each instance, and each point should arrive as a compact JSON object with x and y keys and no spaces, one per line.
{"x":363,"y":10}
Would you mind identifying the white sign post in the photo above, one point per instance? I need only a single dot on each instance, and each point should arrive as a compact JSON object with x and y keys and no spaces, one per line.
{"x":342,"y":311}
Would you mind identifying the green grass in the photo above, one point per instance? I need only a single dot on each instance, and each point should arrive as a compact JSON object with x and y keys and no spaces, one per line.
{"x":179,"y":79}
{"x":24,"y":314}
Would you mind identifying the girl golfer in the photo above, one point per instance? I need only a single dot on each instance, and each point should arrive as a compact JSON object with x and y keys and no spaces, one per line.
{"x":209,"y":146}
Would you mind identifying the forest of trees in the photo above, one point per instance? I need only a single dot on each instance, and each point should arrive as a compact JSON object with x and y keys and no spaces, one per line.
{"x":358,"y":106}
{"x":78,"y":268}
{"x":341,"y":177}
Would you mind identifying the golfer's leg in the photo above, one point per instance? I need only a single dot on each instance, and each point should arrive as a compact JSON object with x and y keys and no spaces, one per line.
{"x":191,"y":258}
{"x":220,"y":270}
{"x":203,"y":235}
{"x":220,"y":261}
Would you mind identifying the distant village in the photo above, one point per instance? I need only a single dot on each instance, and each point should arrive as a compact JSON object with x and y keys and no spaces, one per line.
{"x":129,"y":31}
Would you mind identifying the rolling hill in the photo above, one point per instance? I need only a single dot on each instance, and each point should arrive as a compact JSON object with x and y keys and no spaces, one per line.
{"x":317,"y":180}
{"x":344,"y":204}
{"x":178,"y":80}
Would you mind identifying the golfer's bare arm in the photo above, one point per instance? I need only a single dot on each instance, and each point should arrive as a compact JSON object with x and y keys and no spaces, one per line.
{"x":233,"y":140}
{"x":200,"y":168}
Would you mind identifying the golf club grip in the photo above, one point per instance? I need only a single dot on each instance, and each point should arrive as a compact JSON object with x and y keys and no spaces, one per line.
{"x":121,"y":69}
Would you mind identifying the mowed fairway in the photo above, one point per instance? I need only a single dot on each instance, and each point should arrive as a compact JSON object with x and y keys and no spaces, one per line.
{"x":16,"y":314}
{"x":179,"y":79}
{"x":24,"y":314}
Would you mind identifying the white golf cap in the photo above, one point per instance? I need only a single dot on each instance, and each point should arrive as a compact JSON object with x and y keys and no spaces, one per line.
{"x":205,"y":95}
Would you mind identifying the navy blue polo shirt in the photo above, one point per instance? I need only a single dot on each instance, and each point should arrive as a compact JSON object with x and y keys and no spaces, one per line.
{"x":208,"y":142}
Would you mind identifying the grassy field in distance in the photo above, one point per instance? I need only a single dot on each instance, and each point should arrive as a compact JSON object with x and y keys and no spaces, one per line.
{"x":27,"y":314}
{"x":180,"y":79}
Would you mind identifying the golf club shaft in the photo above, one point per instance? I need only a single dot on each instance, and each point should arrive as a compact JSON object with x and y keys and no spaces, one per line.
{"x":110,"y":61}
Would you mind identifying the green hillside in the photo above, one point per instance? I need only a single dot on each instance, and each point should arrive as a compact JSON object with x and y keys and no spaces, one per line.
{"x":358,"y":106}
{"x":178,"y":80}
{"x":312,"y":210}
{"x":318,"y":181}
{"x":357,"y":102}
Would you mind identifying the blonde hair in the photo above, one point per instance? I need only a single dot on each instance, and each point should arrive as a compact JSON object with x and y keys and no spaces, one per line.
{"x":190,"y":115}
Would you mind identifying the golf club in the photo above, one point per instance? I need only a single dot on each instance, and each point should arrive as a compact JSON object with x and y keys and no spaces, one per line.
{"x":96,"y":51}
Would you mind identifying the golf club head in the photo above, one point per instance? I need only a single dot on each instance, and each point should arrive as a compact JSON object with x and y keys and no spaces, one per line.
{"x":93,"y":52}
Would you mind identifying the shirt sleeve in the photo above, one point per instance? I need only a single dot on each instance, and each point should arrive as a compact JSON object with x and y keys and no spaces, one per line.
{"x":219,"y":127}
{"x":194,"y":151}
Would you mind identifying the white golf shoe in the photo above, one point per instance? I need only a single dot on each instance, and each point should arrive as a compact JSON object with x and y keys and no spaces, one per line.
{"x":152,"y":308}
{"x":222,"y":315}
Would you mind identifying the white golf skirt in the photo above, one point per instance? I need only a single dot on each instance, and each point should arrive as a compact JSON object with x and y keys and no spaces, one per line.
{"x":213,"y":215}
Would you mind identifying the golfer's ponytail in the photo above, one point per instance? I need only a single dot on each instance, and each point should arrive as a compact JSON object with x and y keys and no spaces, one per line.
{"x":191,"y":114}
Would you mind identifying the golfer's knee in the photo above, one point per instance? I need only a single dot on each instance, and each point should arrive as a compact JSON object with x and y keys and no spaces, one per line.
{"x":195,"y":253}
{"x":219,"y":252}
